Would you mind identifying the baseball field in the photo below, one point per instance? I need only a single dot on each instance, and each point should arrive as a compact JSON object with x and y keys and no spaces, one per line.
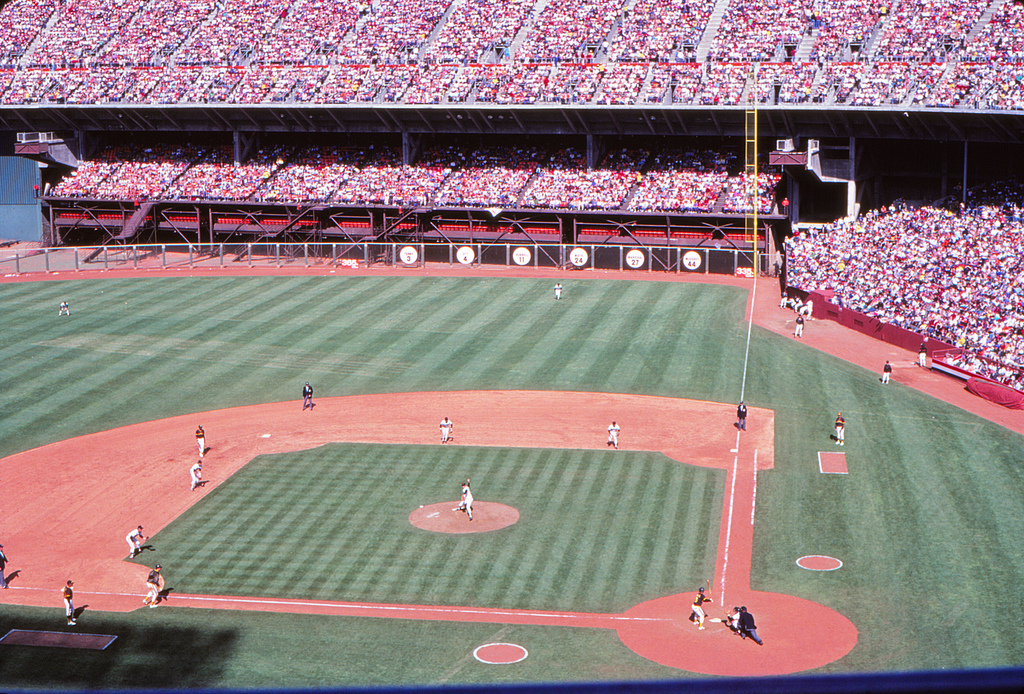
{"x":305,"y":560}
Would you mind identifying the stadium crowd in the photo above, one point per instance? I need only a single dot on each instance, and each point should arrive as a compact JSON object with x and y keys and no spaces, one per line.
{"x":495,"y":176}
{"x":934,"y":85}
{"x":952,"y":275}
{"x":928,"y":53}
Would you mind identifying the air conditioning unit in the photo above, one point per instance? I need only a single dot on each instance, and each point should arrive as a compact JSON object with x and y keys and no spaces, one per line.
{"x":784,"y":145}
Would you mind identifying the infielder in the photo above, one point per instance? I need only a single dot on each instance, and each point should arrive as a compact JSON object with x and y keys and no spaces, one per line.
{"x":698,"y":612}
{"x":446,"y":430}
{"x":3,"y":567}
{"x":466,"y":504}
{"x":196,"y":473}
{"x":558,"y":291}
{"x":68,"y":593}
{"x":201,"y":440}
{"x":840,"y":430}
{"x":613,"y":435}
{"x":135,"y":539}
{"x":64,"y":309}
{"x":155,"y":584}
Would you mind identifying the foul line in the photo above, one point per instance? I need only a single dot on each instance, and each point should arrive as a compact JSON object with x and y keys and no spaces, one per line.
{"x":735,"y":460}
{"x":728,"y":523}
{"x":753,"y":495}
{"x":750,"y":327}
{"x":380,"y":607}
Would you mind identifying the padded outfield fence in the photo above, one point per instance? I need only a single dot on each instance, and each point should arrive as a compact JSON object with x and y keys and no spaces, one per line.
{"x":672,"y":259}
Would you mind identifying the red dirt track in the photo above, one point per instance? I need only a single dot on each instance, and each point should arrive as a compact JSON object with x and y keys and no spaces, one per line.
{"x":103,"y":501}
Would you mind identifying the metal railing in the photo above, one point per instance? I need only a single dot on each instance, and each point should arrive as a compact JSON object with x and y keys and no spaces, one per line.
{"x":701,"y":260}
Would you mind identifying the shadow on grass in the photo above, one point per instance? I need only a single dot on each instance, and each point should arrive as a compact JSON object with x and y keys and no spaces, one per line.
{"x":145,"y":655}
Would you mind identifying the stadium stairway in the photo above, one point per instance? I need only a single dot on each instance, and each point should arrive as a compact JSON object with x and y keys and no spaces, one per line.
{"x":711,"y":30}
{"x":803,"y":51}
{"x":984,"y":20}
{"x":517,"y":41}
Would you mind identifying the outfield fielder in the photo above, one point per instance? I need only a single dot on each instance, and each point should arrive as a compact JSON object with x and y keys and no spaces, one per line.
{"x":558,"y":291}
{"x":64,"y":310}
{"x":135,"y":539}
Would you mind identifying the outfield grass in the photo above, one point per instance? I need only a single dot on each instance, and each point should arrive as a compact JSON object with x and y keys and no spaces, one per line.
{"x":927,"y":523}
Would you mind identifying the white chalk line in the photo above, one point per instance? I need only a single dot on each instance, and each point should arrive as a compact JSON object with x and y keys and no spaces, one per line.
{"x":735,"y":460}
{"x":728,"y":525}
{"x":753,"y":496}
{"x":369,"y":607}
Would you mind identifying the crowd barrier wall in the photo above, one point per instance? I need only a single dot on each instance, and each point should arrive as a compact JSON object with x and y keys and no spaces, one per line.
{"x":940,"y":352}
{"x":824,"y":309}
{"x":673,"y":259}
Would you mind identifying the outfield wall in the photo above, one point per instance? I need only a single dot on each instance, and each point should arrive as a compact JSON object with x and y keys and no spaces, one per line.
{"x":666,"y":259}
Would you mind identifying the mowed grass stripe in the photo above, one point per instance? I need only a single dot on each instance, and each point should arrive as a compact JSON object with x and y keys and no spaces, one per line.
{"x":571,"y":339}
{"x":399,"y":330}
{"x":328,"y":338}
{"x":482,"y":330}
{"x":422,"y":332}
{"x":606,"y":518}
{"x":330,"y":531}
{"x":217,"y":363}
{"x":548,"y":329}
{"x":621,"y":324}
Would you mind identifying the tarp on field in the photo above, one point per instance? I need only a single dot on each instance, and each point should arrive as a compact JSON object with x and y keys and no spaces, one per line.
{"x":994,"y":392}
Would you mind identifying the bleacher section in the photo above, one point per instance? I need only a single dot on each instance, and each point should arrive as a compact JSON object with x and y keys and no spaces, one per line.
{"x":926,"y":53}
{"x":489,"y":177}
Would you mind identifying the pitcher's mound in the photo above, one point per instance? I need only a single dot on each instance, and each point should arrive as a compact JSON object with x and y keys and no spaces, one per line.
{"x":440,"y":518}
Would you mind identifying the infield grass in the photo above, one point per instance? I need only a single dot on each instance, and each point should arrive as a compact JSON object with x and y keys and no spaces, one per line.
{"x":598,"y":531}
{"x":928,"y":522}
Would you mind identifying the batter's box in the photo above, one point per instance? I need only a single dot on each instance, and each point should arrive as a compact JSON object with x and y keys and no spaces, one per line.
{"x":56,"y":639}
{"x":832,"y":463}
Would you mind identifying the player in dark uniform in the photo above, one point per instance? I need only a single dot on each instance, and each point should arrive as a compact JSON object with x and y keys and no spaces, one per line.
{"x":307,"y":396}
{"x":154,"y":584}
{"x":68,"y":593}
{"x":698,"y":611}
{"x":886,"y":372}
{"x":748,"y":627}
{"x":741,"y":417}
